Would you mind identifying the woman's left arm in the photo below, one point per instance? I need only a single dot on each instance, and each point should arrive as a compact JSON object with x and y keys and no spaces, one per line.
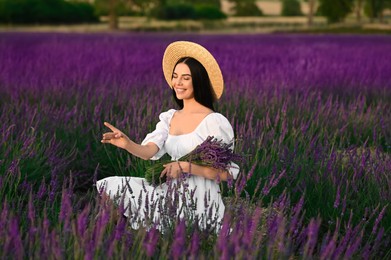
{"x":174,"y":170}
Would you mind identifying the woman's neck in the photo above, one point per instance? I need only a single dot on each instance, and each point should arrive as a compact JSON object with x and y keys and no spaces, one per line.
{"x":192,"y":106}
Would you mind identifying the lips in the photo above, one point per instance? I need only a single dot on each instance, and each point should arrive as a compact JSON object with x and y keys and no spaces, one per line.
{"x":180,"y":90}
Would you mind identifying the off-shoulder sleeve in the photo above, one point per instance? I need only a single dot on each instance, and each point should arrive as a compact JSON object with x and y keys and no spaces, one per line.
{"x":160,"y":134}
{"x":218,"y":126}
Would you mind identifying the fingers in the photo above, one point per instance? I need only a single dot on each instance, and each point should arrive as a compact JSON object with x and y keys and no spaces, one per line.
{"x":109,"y":136}
{"x":112,"y":128}
{"x":105,"y":141}
{"x":171,"y":171}
{"x":166,"y":171}
{"x":113,"y":135}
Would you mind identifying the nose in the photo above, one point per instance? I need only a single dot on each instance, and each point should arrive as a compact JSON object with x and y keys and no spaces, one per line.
{"x":179,"y":81}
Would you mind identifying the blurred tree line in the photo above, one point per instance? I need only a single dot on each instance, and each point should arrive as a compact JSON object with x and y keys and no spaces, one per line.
{"x":337,"y":10}
{"x":245,"y":8}
{"x":291,"y":8}
{"x":174,"y":9}
{"x":79,"y":11}
{"x":46,"y":12}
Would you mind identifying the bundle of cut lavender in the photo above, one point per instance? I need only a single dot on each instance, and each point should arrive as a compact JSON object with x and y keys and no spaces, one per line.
{"x":212,"y":153}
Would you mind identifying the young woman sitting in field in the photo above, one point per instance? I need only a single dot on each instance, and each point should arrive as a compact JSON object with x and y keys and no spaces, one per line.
{"x":196,"y":82}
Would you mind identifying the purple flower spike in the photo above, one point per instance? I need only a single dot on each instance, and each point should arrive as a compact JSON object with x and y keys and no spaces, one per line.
{"x":151,"y":240}
{"x":178,"y":246}
{"x":212,"y":153}
{"x":194,"y":244}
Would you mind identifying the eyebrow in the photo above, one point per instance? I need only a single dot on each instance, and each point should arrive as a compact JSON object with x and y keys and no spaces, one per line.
{"x":182,"y":74}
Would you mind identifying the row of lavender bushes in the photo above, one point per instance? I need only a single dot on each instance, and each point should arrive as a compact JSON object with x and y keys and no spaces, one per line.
{"x":311,"y":114}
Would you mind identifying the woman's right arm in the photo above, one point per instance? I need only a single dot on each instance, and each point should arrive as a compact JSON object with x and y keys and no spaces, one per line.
{"x":119,"y":139}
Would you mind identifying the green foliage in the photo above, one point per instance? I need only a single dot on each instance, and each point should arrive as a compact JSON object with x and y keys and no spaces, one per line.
{"x":335,"y":10}
{"x":374,"y":8}
{"x":142,"y":7}
{"x":122,"y":7}
{"x":245,"y":8}
{"x":40,"y":11}
{"x":291,"y":8}
{"x":214,"y":3}
{"x":209,"y":12}
{"x":181,"y":11}
{"x":178,"y":11}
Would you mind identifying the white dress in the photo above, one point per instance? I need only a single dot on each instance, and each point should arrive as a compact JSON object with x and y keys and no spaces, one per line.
{"x":141,"y":199}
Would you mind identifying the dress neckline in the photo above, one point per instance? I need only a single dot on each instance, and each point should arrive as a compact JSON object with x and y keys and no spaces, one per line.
{"x":195,"y":129}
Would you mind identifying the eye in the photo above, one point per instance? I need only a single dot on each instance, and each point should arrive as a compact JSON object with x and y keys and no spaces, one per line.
{"x":174,"y":76}
{"x":186,"y":78}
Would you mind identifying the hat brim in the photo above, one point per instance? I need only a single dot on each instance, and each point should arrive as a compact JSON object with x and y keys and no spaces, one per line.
{"x":180,"y":49}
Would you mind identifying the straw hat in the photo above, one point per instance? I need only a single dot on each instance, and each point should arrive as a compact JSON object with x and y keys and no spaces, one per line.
{"x":180,"y":49}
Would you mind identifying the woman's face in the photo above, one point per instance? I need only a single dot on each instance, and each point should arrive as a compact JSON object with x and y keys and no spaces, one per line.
{"x":182,"y":82}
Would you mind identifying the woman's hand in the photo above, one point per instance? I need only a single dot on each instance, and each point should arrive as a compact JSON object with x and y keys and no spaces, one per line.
{"x":116,"y":137}
{"x":173,"y":170}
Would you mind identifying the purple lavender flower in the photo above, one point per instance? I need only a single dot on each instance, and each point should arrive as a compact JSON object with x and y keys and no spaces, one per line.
{"x":312,"y":238}
{"x":337,"y":198}
{"x":15,"y":237}
{"x":178,"y":245}
{"x":212,"y":153}
{"x":66,"y":208}
{"x":150,"y":241}
{"x":378,"y":219}
{"x":194,"y":244}
{"x":82,"y":221}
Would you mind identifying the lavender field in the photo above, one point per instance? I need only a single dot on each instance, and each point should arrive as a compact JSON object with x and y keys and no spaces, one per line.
{"x":312,"y":114}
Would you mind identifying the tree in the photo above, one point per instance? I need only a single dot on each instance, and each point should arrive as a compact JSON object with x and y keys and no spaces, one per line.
{"x":215,"y":3}
{"x":245,"y":8}
{"x":115,"y":8}
{"x":374,"y":8}
{"x":335,"y":10}
{"x":291,"y":8}
{"x":111,"y":9}
{"x":146,"y":7}
{"x":358,"y":9}
{"x":113,"y":17}
{"x":46,"y":12}
{"x":311,"y":11}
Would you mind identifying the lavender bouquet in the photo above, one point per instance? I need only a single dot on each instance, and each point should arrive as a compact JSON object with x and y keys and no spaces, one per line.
{"x":212,"y":153}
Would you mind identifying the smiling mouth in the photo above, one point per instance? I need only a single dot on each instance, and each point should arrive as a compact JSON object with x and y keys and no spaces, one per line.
{"x":180,"y":90}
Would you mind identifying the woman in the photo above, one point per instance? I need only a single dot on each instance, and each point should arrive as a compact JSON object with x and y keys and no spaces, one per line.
{"x":196,"y":82}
